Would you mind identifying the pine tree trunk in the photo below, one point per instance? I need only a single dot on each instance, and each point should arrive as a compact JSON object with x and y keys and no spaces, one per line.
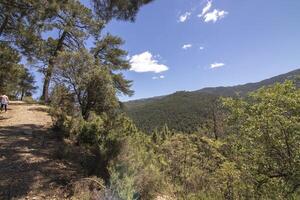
{"x":48,"y":75}
{"x":22,"y":95}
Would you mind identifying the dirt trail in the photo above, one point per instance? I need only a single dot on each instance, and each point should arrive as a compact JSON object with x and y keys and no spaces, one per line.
{"x":20,"y":113}
{"x":29,"y":168}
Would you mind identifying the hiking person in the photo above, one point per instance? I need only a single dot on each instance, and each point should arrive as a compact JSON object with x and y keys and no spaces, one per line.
{"x":4,"y":102}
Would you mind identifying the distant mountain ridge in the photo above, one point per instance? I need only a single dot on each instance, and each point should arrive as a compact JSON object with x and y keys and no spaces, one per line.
{"x":186,"y":111}
{"x":249,"y":87}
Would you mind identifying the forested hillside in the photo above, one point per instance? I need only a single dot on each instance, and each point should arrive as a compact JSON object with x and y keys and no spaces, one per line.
{"x":190,"y":111}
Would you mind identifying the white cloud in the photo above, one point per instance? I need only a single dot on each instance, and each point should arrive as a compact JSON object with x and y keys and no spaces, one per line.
{"x":214,"y":15}
{"x":216,"y":65}
{"x":186,"y":46}
{"x":184,"y":17}
{"x":206,"y":8}
{"x":158,"y":77}
{"x":145,"y":62}
{"x":201,"y":48}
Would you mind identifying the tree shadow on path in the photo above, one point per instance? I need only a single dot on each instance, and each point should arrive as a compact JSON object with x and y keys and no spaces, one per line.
{"x":28,"y":165}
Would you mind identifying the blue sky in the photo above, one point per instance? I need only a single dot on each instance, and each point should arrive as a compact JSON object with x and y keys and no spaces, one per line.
{"x":178,"y":45}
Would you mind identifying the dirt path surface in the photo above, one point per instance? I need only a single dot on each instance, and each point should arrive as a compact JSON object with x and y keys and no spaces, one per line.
{"x":20,"y":113}
{"x":29,"y":168}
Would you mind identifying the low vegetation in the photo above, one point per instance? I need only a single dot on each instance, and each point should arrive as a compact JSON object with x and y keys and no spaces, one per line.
{"x":259,"y":152}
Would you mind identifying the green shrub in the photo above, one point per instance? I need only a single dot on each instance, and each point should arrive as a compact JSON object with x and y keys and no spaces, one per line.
{"x":29,"y":100}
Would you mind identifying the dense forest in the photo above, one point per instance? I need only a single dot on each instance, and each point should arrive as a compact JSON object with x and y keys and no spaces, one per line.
{"x":190,"y":111}
{"x":239,"y":146}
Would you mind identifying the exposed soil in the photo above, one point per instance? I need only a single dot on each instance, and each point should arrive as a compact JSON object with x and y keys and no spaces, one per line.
{"x":29,"y":168}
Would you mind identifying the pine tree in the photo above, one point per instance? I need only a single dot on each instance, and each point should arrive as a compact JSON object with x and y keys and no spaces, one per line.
{"x":119,"y":9}
{"x":75,"y":23}
{"x":26,"y":84}
{"x":92,"y":85}
{"x":108,"y":54}
{"x":22,"y":21}
{"x":9,"y":68}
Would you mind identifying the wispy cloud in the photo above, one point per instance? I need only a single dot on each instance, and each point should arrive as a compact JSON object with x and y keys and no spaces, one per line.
{"x":184,"y":17}
{"x":145,"y":62}
{"x":215,"y":15}
{"x":158,"y":77}
{"x":216,"y":65}
{"x":186,"y":46}
{"x":206,"y":8}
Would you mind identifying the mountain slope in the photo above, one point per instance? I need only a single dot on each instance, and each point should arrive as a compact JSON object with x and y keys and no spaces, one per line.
{"x":249,"y":87}
{"x":187,"y":111}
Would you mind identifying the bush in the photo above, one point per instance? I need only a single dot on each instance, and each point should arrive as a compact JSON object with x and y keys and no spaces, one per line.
{"x":29,"y":100}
